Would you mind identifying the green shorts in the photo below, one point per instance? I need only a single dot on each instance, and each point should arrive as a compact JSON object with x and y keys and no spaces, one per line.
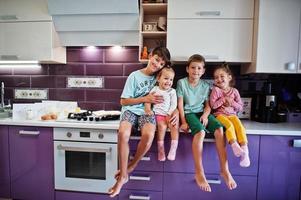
{"x":193,"y":120}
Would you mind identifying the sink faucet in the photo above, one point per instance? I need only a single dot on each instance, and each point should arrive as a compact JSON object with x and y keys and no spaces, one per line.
{"x":2,"y":94}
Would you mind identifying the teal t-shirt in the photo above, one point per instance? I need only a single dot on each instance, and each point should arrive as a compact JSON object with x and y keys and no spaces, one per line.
{"x":137,"y":85}
{"x":193,"y":97}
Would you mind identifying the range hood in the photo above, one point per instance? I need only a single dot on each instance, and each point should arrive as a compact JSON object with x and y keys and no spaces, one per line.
{"x":96,"y":22}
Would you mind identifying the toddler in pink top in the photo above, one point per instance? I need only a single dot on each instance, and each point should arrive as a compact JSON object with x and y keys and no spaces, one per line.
{"x":226,"y":103}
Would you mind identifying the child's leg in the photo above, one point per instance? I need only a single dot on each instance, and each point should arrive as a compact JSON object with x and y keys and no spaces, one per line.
{"x":174,"y":133}
{"x":197,"y":151}
{"x":162,"y":126}
{"x":123,"y":153}
{"x":222,"y":154}
{"x":147,"y":124}
{"x":230,"y":134}
{"x":215,"y":126}
{"x":242,"y":139}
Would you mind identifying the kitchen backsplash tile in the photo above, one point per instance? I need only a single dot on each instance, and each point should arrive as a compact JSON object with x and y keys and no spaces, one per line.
{"x":67,"y":94}
{"x":48,"y":81}
{"x":69,"y":69}
{"x":104,"y":69}
{"x":103,"y":95}
{"x":15,"y":81}
{"x":113,"y":82}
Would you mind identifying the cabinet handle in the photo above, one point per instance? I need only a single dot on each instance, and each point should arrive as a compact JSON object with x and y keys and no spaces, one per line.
{"x":144,"y":158}
{"x":83,"y":149}
{"x":139,"y":197}
{"x":211,"y":57}
{"x":22,"y":132}
{"x":209,"y":140}
{"x":8,"y":17}
{"x":209,"y":13}
{"x":135,"y":137}
{"x":140,"y":178}
{"x":214,"y":181}
{"x":9,"y":57}
{"x":297,"y":143}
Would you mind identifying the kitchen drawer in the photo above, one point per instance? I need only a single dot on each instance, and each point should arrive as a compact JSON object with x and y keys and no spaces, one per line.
{"x":179,"y":186}
{"x":61,"y":195}
{"x":145,"y":181}
{"x":134,"y":140}
{"x":149,"y":162}
{"x":184,"y":159}
{"x":133,"y":194}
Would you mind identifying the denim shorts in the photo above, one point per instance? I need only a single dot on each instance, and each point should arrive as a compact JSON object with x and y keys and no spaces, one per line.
{"x":139,"y":120}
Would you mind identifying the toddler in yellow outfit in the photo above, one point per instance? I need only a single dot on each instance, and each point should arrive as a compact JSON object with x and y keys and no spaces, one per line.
{"x":226,"y":102}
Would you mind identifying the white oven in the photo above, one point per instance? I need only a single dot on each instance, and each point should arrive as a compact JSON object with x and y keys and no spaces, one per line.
{"x":85,"y":159}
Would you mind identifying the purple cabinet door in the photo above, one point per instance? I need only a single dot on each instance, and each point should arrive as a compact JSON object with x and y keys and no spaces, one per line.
{"x":279,"y":175}
{"x":4,"y":163}
{"x":184,"y":159}
{"x":179,"y":186}
{"x":61,"y":195}
{"x":31,"y":163}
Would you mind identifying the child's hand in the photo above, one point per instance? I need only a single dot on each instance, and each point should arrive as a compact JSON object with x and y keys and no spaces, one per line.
{"x":228,"y":101}
{"x":184,"y":127}
{"x":154,"y":98}
{"x":148,"y":112}
{"x":173,"y":119}
{"x":204,"y":120}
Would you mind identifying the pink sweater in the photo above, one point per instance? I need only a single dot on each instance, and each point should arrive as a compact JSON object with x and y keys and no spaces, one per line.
{"x":217,"y":100}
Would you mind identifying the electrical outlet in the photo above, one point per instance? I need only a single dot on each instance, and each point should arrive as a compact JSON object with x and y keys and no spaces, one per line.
{"x":85,"y":82}
{"x":40,"y":94}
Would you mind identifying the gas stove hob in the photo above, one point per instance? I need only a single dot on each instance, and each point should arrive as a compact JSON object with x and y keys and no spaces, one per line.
{"x":93,"y":116}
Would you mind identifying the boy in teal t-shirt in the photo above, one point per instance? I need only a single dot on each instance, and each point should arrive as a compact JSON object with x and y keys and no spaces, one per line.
{"x":134,"y":95}
{"x":194,"y":110}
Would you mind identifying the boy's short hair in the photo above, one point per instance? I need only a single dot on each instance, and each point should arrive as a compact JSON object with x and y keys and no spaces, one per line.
{"x":163,"y":53}
{"x":196,"y":58}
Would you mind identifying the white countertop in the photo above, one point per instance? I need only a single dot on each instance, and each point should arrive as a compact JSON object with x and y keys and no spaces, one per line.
{"x":253,"y":128}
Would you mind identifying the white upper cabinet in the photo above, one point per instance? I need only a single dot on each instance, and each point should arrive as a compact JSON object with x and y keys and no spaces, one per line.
{"x":210,"y":9}
{"x":27,"y":33}
{"x":219,"y":30}
{"x":29,"y":41}
{"x":276,"y":37}
{"x":24,"y":10}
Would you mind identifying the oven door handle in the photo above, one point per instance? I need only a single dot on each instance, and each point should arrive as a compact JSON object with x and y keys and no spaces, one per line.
{"x":84,"y":149}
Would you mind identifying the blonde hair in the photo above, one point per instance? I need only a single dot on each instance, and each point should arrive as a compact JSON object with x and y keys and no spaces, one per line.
{"x":165,"y":69}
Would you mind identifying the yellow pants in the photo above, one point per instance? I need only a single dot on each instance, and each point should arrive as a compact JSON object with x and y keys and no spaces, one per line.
{"x":235,"y":131}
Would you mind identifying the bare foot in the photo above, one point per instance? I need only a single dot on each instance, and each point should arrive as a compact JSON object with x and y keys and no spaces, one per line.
{"x":229,"y":180}
{"x":129,"y":170}
{"x":115,"y":190}
{"x":202,"y":182}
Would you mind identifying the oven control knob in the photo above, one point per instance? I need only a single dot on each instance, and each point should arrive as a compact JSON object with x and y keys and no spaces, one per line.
{"x":100,"y":136}
{"x":69,"y":134}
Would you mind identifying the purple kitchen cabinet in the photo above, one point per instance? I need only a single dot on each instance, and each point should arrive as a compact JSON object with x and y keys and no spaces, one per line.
{"x":62,"y":195}
{"x":279,"y":175}
{"x":31,"y":163}
{"x":4,"y":163}
{"x":184,"y":160}
{"x":179,"y":186}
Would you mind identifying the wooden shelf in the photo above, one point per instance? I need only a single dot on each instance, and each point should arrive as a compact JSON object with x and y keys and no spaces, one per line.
{"x":154,"y":8}
{"x":154,"y":34}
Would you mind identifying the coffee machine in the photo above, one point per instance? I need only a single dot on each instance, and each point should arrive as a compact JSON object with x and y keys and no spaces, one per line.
{"x":264,"y":105}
